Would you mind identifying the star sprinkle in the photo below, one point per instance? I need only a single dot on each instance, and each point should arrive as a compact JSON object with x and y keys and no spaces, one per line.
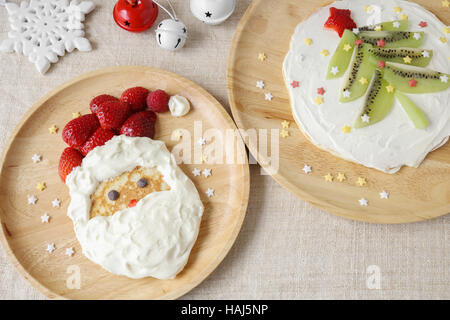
{"x":201,"y":141}
{"x":76,"y":115}
{"x":284,"y":133}
{"x":285,"y":124}
{"x":328,"y":177}
{"x":407,"y":59}
{"x":363,"y":80}
{"x":50,"y":247}
{"x":307,"y":169}
{"x":398,"y":9}
{"x":295,"y":84}
{"x":206,"y":173}
{"x":365,"y":118}
{"x":384,"y":195}
{"x":308,"y":41}
{"x":334,"y":70}
{"x":445,"y":3}
{"x":321,"y":91}
{"x":341,"y":177}
{"x":403,"y":17}
{"x":177,"y":135}
{"x":368,"y":9}
{"x":53,"y":129}
{"x":45,"y":218}
{"x":32,"y":200}
{"x":355,"y":30}
{"x":443,"y":40}
{"x":36,"y":158}
{"x":416,"y":35}
{"x":444,"y":78}
{"x":260,"y":84}
{"x":268,"y":96}
{"x":196,"y":172}
{"x":412,"y":83}
{"x":324,"y":52}
{"x":425,"y":54}
{"x":423,"y":24}
{"x":381,"y":43}
{"x":346,"y":129}
{"x":378,"y":28}
{"x":56,"y":203}
{"x":209,"y":192}
{"x":381,"y":64}
{"x":390,"y":88}
{"x":446,"y":30}
{"x":363,"y":202}
{"x":346,"y":94}
{"x":359,"y":42}
{"x":69,"y":252}
{"x":347,"y":47}
{"x":41,"y":186}
{"x":396,"y":24}
{"x":262,"y":56}
{"x":318,"y":101}
{"x":361,"y":181}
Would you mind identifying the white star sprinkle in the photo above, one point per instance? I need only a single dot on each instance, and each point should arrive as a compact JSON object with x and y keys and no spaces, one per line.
{"x":45,"y":218}
{"x":51,"y":247}
{"x":425,"y":54}
{"x":56,"y":203}
{"x":260,"y":84}
{"x":346,"y":94}
{"x":384,"y":195}
{"x":334,"y":70}
{"x":209,"y":192}
{"x":355,"y":30}
{"x":36,"y":158}
{"x":307,"y":169}
{"x":444,"y":78}
{"x":416,"y":36}
{"x":396,"y":24}
{"x":70,"y":251}
{"x":206,"y":172}
{"x":363,"y":202}
{"x":365,"y":118}
{"x":32,"y":200}
{"x":268,"y":96}
{"x":202,"y":141}
{"x":196,"y":172}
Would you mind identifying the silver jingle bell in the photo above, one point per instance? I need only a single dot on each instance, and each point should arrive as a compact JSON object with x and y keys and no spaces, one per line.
{"x":171,"y":34}
{"x":212,"y":12}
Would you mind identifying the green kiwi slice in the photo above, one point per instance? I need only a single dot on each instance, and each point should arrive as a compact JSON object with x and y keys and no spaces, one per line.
{"x":359,"y":69}
{"x":378,"y":103}
{"x":414,"y":113}
{"x":426,"y":80}
{"x":342,"y":56}
{"x":414,"y":57}
{"x":396,"y":25}
{"x":393,"y":39}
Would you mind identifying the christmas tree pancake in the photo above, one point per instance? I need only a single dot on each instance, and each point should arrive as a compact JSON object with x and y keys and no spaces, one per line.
{"x":374,"y":82}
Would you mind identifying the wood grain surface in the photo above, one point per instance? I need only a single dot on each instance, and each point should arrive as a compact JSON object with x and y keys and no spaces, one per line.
{"x":415,"y":193}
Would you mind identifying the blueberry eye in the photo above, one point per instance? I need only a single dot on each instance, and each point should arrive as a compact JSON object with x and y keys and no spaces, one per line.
{"x":113,"y":195}
{"x":142,"y":183}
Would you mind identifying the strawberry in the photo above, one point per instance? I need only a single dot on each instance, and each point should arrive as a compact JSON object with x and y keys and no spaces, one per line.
{"x":98,"y":100}
{"x":339,"y":20}
{"x":99,"y":138}
{"x":70,"y":158}
{"x":78,"y":130}
{"x":141,"y":124}
{"x":158,"y":101}
{"x":136,"y":97}
{"x":112,"y":114}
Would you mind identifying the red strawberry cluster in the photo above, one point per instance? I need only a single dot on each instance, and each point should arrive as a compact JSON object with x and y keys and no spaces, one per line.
{"x":132,"y":115}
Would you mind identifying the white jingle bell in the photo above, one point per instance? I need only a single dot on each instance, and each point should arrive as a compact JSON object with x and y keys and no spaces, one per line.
{"x":171,"y":34}
{"x":212,"y":11}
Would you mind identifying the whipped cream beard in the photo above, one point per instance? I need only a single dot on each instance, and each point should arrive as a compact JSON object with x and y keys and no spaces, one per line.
{"x":390,"y":143}
{"x":155,"y":237}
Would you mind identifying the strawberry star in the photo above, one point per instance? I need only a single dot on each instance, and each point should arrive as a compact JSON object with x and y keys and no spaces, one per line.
{"x":321,"y":91}
{"x":423,"y":24}
{"x":412,"y":83}
{"x":381,"y":64}
{"x":381,"y":43}
{"x":339,"y":20}
{"x":295,"y":84}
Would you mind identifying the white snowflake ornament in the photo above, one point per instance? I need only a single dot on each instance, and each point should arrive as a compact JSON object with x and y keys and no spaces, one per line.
{"x":42,"y":30}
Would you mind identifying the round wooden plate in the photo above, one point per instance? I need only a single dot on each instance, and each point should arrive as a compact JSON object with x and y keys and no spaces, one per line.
{"x":25,"y":238}
{"x":415,"y":194}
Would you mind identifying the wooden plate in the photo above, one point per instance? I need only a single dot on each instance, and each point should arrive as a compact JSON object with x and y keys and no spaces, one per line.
{"x":415,"y":194}
{"x":25,"y":238}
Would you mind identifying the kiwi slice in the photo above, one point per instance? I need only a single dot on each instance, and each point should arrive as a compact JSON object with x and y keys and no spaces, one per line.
{"x":413,"y":111}
{"x":401,"y":77}
{"x":414,"y":57}
{"x":393,"y":39}
{"x":396,"y":25}
{"x":378,"y":104}
{"x":342,"y":56}
{"x":360,"y":69}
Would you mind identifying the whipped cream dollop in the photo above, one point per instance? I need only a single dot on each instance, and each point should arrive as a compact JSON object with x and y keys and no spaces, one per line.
{"x":390,"y":143}
{"x":179,"y":106}
{"x":155,"y":237}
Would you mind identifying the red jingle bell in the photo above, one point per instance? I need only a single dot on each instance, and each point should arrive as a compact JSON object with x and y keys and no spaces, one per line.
{"x":135,"y":15}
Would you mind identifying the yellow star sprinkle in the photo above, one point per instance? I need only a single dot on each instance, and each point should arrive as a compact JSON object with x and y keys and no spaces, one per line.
{"x":341,"y":177}
{"x":285,"y":124}
{"x":363,"y":80}
{"x":397,"y":9}
{"x":346,"y":129}
{"x":361,"y":181}
{"x":377,"y":28}
{"x":76,"y":115}
{"x":262,"y":56}
{"x":177,"y":135}
{"x":407,"y":59}
{"x":53,"y":129}
{"x":404,"y":16}
{"x":308,"y":41}
{"x":41,"y":186}
{"x":284,"y":133}
{"x":443,"y":40}
{"x":324,"y":52}
{"x":367,"y":8}
{"x":346,"y":47}
{"x":318,"y":101}
{"x":445,"y":3}
{"x":328,"y":177}
{"x":390,"y":88}
{"x":446,"y":30}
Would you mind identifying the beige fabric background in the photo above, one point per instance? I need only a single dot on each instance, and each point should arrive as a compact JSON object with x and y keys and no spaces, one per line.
{"x":287,"y":249}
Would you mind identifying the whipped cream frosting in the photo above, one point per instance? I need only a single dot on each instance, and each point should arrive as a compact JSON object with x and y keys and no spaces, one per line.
{"x":390,"y":143}
{"x":155,"y":237}
{"x":179,"y":106}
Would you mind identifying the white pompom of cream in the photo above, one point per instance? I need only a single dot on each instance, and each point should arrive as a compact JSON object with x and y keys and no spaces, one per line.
{"x":179,"y":106}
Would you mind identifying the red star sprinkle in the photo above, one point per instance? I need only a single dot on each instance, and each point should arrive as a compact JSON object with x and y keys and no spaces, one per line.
{"x":295,"y":84}
{"x":412,"y":83}
{"x":359,"y":42}
{"x":381,"y":43}
{"x":423,"y":24}
{"x":381,"y":64}
{"x":321,"y":91}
